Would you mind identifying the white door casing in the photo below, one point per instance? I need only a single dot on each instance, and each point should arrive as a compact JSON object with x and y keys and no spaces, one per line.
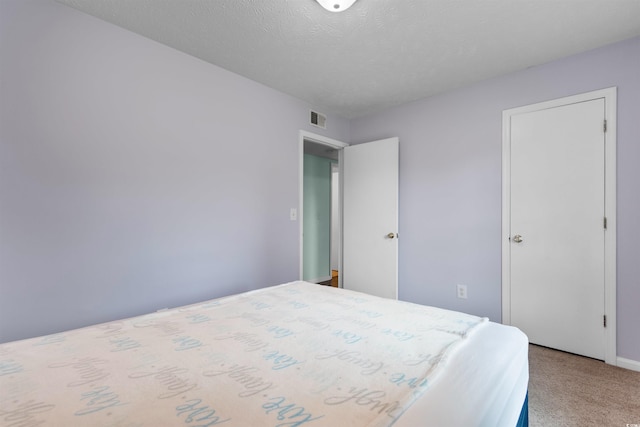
{"x":329,"y":142}
{"x":370,"y":218}
{"x":558,"y":187}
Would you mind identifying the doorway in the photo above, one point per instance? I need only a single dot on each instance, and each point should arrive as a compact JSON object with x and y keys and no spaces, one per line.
{"x":320,"y":214}
{"x":558,"y":276}
{"x":368,"y":240}
{"x":317,"y":240}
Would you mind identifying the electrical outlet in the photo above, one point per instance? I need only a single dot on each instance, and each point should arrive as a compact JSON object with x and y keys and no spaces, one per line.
{"x":462,"y":291}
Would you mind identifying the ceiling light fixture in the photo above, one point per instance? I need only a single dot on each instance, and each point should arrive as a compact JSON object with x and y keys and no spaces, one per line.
{"x":336,"y":5}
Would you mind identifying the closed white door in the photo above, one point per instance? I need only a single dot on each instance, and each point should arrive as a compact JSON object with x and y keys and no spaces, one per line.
{"x":557,"y":230}
{"x":370,"y":218}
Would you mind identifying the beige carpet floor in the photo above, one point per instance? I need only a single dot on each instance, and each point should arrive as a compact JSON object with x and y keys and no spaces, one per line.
{"x":568,"y":390}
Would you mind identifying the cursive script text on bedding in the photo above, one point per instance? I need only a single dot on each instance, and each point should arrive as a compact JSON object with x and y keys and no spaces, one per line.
{"x":202,"y":414}
{"x":243,"y":375}
{"x":374,"y":399}
{"x":98,"y":399}
{"x":169,"y":377}
{"x":25,"y":414}
{"x":292,"y":414}
{"x":369,"y":367}
{"x":87,"y":368}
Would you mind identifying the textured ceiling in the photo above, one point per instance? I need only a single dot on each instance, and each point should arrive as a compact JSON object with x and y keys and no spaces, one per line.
{"x":379,"y":53}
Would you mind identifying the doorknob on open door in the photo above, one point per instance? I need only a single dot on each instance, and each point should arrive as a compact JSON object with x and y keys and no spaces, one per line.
{"x":517,"y":238}
{"x":391,"y":235}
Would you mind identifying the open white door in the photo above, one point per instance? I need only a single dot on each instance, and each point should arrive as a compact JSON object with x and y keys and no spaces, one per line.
{"x":370,"y":218}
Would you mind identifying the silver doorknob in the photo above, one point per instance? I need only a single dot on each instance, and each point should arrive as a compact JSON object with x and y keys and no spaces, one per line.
{"x":517,"y":238}
{"x":391,"y":235}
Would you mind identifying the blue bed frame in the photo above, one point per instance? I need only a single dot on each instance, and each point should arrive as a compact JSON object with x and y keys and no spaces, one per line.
{"x":523,"y":421}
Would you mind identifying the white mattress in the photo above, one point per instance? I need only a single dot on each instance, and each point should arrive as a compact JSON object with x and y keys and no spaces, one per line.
{"x":291,"y":355}
{"x":485,"y":383}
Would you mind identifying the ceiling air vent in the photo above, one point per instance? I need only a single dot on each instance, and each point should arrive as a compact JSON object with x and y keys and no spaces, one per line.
{"x":319,"y":120}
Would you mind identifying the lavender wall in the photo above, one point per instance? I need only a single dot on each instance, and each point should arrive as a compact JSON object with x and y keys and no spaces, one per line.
{"x":450,"y":181}
{"x":132,"y":176}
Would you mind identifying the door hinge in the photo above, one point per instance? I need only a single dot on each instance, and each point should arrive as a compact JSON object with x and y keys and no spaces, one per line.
{"x":604,"y":126}
{"x":604,"y":320}
{"x":605,"y":223}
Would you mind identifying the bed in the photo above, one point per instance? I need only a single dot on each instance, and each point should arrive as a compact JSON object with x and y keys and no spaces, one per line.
{"x":296,"y":354}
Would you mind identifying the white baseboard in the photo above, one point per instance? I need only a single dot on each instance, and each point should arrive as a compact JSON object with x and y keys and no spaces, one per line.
{"x":634,"y":365}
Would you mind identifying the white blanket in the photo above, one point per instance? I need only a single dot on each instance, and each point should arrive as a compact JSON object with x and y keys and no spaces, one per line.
{"x":291,"y":355}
